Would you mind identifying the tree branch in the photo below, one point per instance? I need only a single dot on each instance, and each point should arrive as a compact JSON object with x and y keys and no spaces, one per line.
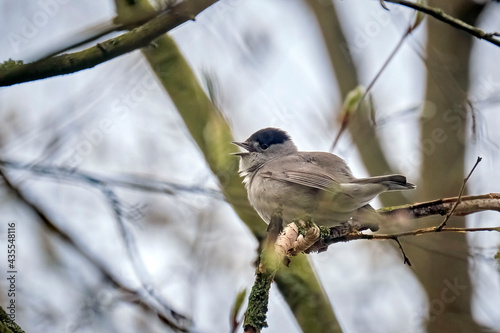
{"x":137,"y":38}
{"x":440,"y":15}
{"x":270,"y":261}
{"x":467,"y":205}
{"x":7,"y":325}
{"x":132,"y":181}
{"x":303,"y":235}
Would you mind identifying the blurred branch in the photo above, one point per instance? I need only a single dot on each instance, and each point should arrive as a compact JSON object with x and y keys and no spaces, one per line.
{"x":212,"y":134}
{"x":169,"y":316}
{"x":137,"y":38}
{"x":141,"y":183}
{"x":439,"y":14}
{"x":235,"y":310}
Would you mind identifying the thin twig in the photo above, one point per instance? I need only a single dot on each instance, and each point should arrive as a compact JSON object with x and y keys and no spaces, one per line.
{"x":346,"y":117}
{"x":386,"y":63}
{"x":415,"y":233}
{"x":406,"y":260}
{"x":464,"y":182}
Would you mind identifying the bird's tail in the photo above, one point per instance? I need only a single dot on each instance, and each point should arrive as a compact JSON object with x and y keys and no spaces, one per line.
{"x":393,"y":182}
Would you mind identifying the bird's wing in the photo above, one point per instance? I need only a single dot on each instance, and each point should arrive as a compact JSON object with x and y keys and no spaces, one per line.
{"x":311,"y":179}
{"x":330,"y":164}
{"x":302,"y":170}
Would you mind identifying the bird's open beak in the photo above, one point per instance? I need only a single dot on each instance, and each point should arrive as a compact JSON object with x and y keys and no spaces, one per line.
{"x":243,"y":145}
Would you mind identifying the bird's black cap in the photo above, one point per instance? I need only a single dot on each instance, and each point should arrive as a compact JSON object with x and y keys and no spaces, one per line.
{"x":269,"y":136}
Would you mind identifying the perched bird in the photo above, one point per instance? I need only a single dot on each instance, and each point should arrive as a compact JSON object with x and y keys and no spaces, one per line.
{"x":279,"y":178}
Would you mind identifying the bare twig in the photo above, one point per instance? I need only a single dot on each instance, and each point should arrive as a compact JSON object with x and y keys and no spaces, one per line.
{"x":406,"y":260}
{"x":386,"y":62}
{"x":417,"y":232}
{"x":459,"y":198}
{"x":347,"y":113}
{"x":439,"y":14}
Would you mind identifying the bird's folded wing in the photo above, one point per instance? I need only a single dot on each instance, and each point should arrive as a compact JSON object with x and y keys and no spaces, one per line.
{"x":312,"y":179}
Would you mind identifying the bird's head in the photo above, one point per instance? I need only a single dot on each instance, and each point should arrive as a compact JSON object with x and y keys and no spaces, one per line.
{"x":263,"y":146}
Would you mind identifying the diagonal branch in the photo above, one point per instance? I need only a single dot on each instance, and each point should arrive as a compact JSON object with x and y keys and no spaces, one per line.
{"x":440,"y":15}
{"x":139,"y":37}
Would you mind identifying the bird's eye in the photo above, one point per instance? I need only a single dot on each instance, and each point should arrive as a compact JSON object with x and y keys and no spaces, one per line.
{"x":263,"y":146}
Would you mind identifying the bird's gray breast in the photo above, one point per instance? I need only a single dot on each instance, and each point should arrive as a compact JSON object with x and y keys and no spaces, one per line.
{"x":268,"y":195}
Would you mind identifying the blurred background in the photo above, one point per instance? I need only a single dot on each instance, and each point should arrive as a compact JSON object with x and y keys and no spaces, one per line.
{"x":121,"y":220}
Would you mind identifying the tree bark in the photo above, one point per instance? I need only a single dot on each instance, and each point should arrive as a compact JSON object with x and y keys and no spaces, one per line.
{"x":440,"y":260}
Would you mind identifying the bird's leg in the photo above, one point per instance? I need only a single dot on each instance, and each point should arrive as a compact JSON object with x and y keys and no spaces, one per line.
{"x":309,"y":233}
{"x":344,"y":228}
{"x":328,"y":234}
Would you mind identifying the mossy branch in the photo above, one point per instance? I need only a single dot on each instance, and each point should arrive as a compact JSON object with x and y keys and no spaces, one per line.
{"x":467,"y":205}
{"x":7,"y":325}
{"x":256,"y":314}
{"x":137,"y":38}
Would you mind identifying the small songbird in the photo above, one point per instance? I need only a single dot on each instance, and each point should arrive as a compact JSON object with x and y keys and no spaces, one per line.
{"x":279,"y":178}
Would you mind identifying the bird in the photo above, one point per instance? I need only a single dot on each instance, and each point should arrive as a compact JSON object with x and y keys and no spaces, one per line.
{"x":281,"y":179}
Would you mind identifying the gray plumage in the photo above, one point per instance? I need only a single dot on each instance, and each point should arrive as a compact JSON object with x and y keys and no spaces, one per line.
{"x":278,"y":176}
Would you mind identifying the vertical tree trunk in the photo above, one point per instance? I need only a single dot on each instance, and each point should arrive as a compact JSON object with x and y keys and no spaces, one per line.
{"x":298,"y":284}
{"x":440,"y":261}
